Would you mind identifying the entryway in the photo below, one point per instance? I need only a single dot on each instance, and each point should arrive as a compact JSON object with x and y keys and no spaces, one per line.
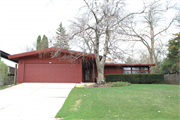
{"x":87,"y":68}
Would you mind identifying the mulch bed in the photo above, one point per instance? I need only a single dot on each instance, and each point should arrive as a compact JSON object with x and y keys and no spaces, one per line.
{"x":98,"y":86}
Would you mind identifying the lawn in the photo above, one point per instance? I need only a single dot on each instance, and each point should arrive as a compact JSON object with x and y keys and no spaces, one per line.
{"x":5,"y":86}
{"x":138,"y":101}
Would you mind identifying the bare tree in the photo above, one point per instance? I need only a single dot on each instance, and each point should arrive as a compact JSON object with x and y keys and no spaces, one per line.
{"x":29,"y":48}
{"x":85,"y":41}
{"x":102,"y":18}
{"x":152,"y":25}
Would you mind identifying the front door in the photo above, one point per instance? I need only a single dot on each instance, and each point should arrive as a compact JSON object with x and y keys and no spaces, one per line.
{"x":87,"y":75}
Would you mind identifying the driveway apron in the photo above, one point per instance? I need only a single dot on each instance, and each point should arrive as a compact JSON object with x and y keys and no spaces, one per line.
{"x":33,"y":101}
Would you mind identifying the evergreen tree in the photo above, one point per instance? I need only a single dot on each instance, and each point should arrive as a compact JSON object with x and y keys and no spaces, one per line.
{"x":38,"y":42}
{"x":61,"y":30}
{"x":44,"y":42}
{"x":129,"y":60}
{"x":62,"y":40}
{"x":171,"y":63}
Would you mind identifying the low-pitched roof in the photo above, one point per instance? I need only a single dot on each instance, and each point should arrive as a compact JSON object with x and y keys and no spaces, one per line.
{"x":128,"y":65}
{"x":53,"y":49}
{"x":5,"y":55}
{"x":36,"y":52}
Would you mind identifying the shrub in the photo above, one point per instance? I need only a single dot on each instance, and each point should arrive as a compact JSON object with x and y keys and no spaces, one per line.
{"x":108,"y":83}
{"x":136,"y":78}
{"x":3,"y":71}
{"x":118,"y":84}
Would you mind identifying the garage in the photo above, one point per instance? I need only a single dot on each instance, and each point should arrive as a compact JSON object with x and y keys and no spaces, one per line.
{"x":50,"y":73}
{"x":41,"y":66}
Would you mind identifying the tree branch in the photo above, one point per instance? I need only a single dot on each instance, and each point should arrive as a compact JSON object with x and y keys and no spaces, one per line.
{"x":91,"y":11}
{"x":165,"y":28}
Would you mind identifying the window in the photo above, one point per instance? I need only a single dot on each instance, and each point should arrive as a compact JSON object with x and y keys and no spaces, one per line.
{"x":144,"y":70}
{"x":135,"y":68}
{"x":127,"y":70}
{"x":135,"y":72}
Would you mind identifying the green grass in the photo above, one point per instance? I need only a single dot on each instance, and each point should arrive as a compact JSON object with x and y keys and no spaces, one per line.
{"x":138,"y":101}
{"x":5,"y":86}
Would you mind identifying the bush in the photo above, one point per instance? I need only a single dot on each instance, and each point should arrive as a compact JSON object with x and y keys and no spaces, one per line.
{"x":3,"y":72}
{"x":109,"y":83}
{"x":136,"y":78}
{"x":117,"y":84}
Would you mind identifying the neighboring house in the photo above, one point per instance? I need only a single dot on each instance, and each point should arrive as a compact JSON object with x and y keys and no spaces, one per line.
{"x":109,"y":60}
{"x":5,"y":56}
{"x":68,"y":67}
{"x":10,"y":79}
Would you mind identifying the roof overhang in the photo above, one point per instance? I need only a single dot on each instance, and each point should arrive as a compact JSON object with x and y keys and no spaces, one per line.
{"x":5,"y":55}
{"x":53,"y":49}
{"x":130,"y":65}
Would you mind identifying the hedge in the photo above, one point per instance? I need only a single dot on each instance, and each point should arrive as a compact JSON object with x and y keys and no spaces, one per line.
{"x":136,"y":78}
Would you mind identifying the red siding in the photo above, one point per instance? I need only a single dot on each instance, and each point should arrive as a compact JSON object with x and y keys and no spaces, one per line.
{"x":54,"y":73}
{"x":113,"y":70}
{"x":77,"y":73}
{"x":20,"y":75}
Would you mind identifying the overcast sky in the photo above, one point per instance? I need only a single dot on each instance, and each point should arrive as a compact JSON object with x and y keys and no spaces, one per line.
{"x":21,"y":21}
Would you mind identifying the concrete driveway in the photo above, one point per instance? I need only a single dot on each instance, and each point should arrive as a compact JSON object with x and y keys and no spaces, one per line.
{"x":33,"y":101}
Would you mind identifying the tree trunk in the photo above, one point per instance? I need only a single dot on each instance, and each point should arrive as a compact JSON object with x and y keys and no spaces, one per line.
{"x":157,"y":64}
{"x":152,"y":40}
{"x":101,"y":63}
{"x":151,"y":58}
{"x":151,"y":61}
{"x":100,"y":70}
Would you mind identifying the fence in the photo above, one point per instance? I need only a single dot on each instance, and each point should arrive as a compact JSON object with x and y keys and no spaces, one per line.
{"x":8,"y":81}
{"x":172,"y":78}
